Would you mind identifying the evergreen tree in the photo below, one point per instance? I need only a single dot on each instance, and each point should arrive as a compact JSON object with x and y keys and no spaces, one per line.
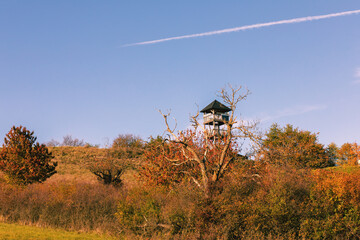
{"x":23,"y":160}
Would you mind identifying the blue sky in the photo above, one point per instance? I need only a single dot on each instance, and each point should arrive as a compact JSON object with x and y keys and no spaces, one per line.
{"x":64,"y":70}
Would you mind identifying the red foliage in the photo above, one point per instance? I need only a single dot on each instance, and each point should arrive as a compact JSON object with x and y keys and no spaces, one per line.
{"x":168,"y":162}
{"x":23,"y":160}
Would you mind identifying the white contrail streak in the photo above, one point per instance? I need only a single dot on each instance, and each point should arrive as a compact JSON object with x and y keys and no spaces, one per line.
{"x":247,"y":27}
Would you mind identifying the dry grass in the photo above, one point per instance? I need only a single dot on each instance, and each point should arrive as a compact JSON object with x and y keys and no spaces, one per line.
{"x":72,"y":205}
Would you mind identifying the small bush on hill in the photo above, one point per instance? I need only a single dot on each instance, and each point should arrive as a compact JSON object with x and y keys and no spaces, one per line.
{"x":108,"y":169}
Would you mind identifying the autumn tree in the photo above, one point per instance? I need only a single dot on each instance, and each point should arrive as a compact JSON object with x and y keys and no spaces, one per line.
{"x":200,"y":157}
{"x":113,"y":162}
{"x":289,"y":146}
{"x":349,"y":154}
{"x":23,"y":160}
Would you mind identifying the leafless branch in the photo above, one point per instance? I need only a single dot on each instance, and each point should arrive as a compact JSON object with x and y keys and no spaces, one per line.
{"x":235,"y":129}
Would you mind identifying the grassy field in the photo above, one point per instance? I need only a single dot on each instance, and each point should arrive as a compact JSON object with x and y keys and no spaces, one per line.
{"x":20,"y":232}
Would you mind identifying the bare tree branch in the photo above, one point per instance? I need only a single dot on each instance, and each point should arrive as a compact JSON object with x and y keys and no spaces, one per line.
{"x":234,"y":129}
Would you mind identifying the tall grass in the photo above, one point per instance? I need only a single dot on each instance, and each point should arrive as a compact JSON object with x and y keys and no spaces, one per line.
{"x":71,"y":205}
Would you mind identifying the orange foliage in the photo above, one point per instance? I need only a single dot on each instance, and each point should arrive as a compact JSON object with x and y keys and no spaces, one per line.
{"x":338,"y":186}
{"x":167,"y":163}
{"x":334,"y":209}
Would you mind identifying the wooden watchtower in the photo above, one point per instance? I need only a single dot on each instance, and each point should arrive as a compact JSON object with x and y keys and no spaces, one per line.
{"x":215,"y":115}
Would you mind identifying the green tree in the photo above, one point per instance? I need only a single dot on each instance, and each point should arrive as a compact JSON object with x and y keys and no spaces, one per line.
{"x":293,"y":147}
{"x":331,"y":151}
{"x":23,"y":160}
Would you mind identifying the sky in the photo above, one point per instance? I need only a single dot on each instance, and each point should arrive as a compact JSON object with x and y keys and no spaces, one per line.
{"x":78,"y":68}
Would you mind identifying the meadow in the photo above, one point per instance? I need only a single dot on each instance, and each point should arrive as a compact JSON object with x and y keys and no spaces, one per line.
{"x":22,"y":232}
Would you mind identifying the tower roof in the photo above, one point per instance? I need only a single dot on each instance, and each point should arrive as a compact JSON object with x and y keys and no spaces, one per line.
{"x":216,"y":106}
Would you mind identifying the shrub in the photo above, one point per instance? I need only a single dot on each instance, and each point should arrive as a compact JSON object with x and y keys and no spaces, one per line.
{"x":127,"y":140}
{"x":140,"y":212}
{"x":23,"y":160}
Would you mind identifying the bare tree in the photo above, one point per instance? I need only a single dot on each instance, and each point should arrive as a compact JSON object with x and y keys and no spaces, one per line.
{"x":235,"y":129}
{"x":69,"y":141}
{"x":52,"y":143}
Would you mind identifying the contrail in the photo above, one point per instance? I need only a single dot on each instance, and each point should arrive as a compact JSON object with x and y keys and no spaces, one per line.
{"x":247,"y":27}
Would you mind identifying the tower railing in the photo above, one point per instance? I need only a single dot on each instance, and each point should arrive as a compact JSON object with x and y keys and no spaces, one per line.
{"x":217,"y":117}
{"x":216,"y":132}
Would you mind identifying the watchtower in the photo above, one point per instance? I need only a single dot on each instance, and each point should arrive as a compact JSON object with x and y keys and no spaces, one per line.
{"x":215,"y":115}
